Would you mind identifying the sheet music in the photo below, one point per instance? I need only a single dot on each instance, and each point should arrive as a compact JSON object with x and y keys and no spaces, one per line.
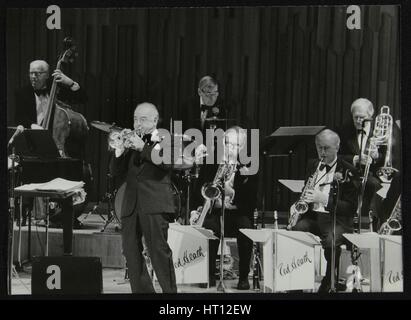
{"x":58,"y":184}
{"x":294,"y":185}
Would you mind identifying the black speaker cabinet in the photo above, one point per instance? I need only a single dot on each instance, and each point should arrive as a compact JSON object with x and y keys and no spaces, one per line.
{"x":66,"y":275}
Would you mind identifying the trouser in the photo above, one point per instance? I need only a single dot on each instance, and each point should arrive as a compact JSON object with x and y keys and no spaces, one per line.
{"x":154,"y":229}
{"x":321,"y":225}
{"x":232,"y":223}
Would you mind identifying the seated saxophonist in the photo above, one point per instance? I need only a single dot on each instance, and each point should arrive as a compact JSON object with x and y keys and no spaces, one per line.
{"x":313,"y":211}
{"x":240,"y":190}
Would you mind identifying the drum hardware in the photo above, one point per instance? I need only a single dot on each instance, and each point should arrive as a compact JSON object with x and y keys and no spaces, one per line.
{"x":256,"y":258}
{"x":108,"y":198}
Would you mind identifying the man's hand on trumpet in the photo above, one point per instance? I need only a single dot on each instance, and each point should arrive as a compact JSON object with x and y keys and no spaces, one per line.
{"x":134,"y":142}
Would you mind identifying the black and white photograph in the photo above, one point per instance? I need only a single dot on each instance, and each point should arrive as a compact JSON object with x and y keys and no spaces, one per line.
{"x":204,"y":150}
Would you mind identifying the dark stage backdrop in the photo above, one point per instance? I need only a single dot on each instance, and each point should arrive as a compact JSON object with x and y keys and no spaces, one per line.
{"x":282,"y":66}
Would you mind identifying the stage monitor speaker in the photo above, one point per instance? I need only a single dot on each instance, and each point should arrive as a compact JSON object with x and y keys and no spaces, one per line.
{"x":66,"y":275}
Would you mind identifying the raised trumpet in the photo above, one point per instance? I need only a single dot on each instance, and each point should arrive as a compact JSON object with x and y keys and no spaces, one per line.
{"x":117,"y":138}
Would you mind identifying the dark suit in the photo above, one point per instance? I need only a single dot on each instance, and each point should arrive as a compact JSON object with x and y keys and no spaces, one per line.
{"x":245,"y":200}
{"x":192,"y":114}
{"x":349,"y":147}
{"x":146,"y":208}
{"x":26,"y":112}
{"x":320,"y":224}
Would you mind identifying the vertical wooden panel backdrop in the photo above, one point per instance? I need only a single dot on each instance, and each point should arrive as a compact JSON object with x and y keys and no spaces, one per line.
{"x":284,"y":66}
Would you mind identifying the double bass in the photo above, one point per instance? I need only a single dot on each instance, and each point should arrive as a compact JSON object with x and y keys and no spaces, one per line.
{"x":60,"y":118}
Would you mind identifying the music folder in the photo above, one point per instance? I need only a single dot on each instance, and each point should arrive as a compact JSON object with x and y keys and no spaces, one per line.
{"x":285,"y":140}
{"x":36,"y":143}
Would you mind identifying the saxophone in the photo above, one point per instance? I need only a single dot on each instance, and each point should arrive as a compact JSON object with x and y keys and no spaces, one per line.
{"x":211,"y":191}
{"x":393,"y":223}
{"x":301,"y":206}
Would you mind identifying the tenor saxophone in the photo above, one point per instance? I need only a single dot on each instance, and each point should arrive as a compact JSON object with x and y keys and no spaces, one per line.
{"x":211,"y":191}
{"x":301,"y":206}
{"x":393,"y":223}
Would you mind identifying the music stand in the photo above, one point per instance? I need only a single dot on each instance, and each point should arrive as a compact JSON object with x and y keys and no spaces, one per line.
{"x":284,"y":142}
{"x":36,"y":143}
{"x":32,"y":143}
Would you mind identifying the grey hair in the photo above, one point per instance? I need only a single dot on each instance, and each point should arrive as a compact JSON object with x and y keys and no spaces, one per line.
{"x":363,"y":102}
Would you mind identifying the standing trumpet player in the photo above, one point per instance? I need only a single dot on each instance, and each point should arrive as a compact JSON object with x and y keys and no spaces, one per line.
{"x":240,"y":200}
{"x":147,"y":204}
{"x":320,"y":201}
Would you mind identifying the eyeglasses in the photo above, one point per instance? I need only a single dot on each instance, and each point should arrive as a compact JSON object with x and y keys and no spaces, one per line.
{"x":208,"y":93}
{"x":36,"y":73}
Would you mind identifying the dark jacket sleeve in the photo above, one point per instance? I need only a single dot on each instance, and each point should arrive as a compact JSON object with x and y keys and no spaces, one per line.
{"x":69,"y":96}
{"x":119,"y":166}
{"x":346,"y":194}
{"x":25,"y":107}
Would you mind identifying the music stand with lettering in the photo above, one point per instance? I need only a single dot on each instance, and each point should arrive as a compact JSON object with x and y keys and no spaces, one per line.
{"x":284,"y":142}
{"x":385,"y":260}
{"x":288,"y":258}
{"x":190,"y":247}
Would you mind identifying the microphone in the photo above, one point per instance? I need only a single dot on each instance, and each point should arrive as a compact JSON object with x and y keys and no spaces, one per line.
{"x":366,"y":120}
{"x":19,"y":130}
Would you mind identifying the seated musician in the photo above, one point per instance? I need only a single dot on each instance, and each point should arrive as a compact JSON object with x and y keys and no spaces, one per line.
{"x":361,"y":127}
{"x":321,"y":200}
{"x":31,"y":103}
{"x":241,"y":194}
{"x":31,"y":100}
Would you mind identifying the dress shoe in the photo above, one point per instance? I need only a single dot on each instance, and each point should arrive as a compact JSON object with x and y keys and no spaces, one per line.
{"x":77,"y":224}
{"x":325,"y":286}
{"x":243,"y":284}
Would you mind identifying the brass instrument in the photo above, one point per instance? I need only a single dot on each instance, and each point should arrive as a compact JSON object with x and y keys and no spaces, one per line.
{"x":211,"y":191}
{"x":301,"y":206}
{"x":393,"y":223}
{"x":117,"y":138}
{"x":384,"y":125}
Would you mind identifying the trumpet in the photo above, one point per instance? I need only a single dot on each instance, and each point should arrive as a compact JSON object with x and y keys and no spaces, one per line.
{"x":117,"y":138}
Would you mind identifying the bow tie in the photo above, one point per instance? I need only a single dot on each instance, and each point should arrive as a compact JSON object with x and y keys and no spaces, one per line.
{"x":41,"y":92}
{"x":147,"y":138}
{"x":326,"y":166}
{"x":204,"y":107}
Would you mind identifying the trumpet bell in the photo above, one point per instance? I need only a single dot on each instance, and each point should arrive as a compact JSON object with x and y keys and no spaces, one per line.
{"x":115,"y":139}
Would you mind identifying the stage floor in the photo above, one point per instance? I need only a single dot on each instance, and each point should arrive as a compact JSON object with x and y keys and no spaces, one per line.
{"x":90,"y":241}
{"x":114,"y":283}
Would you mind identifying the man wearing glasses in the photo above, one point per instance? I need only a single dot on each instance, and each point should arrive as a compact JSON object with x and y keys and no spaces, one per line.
{"x":240,"y":189}
{"x":32,"y":100}
{"x":204,"y":112}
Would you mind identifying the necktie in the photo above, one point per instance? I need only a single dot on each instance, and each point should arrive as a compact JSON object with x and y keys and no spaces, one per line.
{"x":360,"y":131}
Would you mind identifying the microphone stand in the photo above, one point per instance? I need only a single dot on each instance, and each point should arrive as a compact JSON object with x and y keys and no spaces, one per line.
{"x":221,"y":286}
{"x":12,"y":210}
{"x":355,"y":254}
{"x":335,"y":192}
